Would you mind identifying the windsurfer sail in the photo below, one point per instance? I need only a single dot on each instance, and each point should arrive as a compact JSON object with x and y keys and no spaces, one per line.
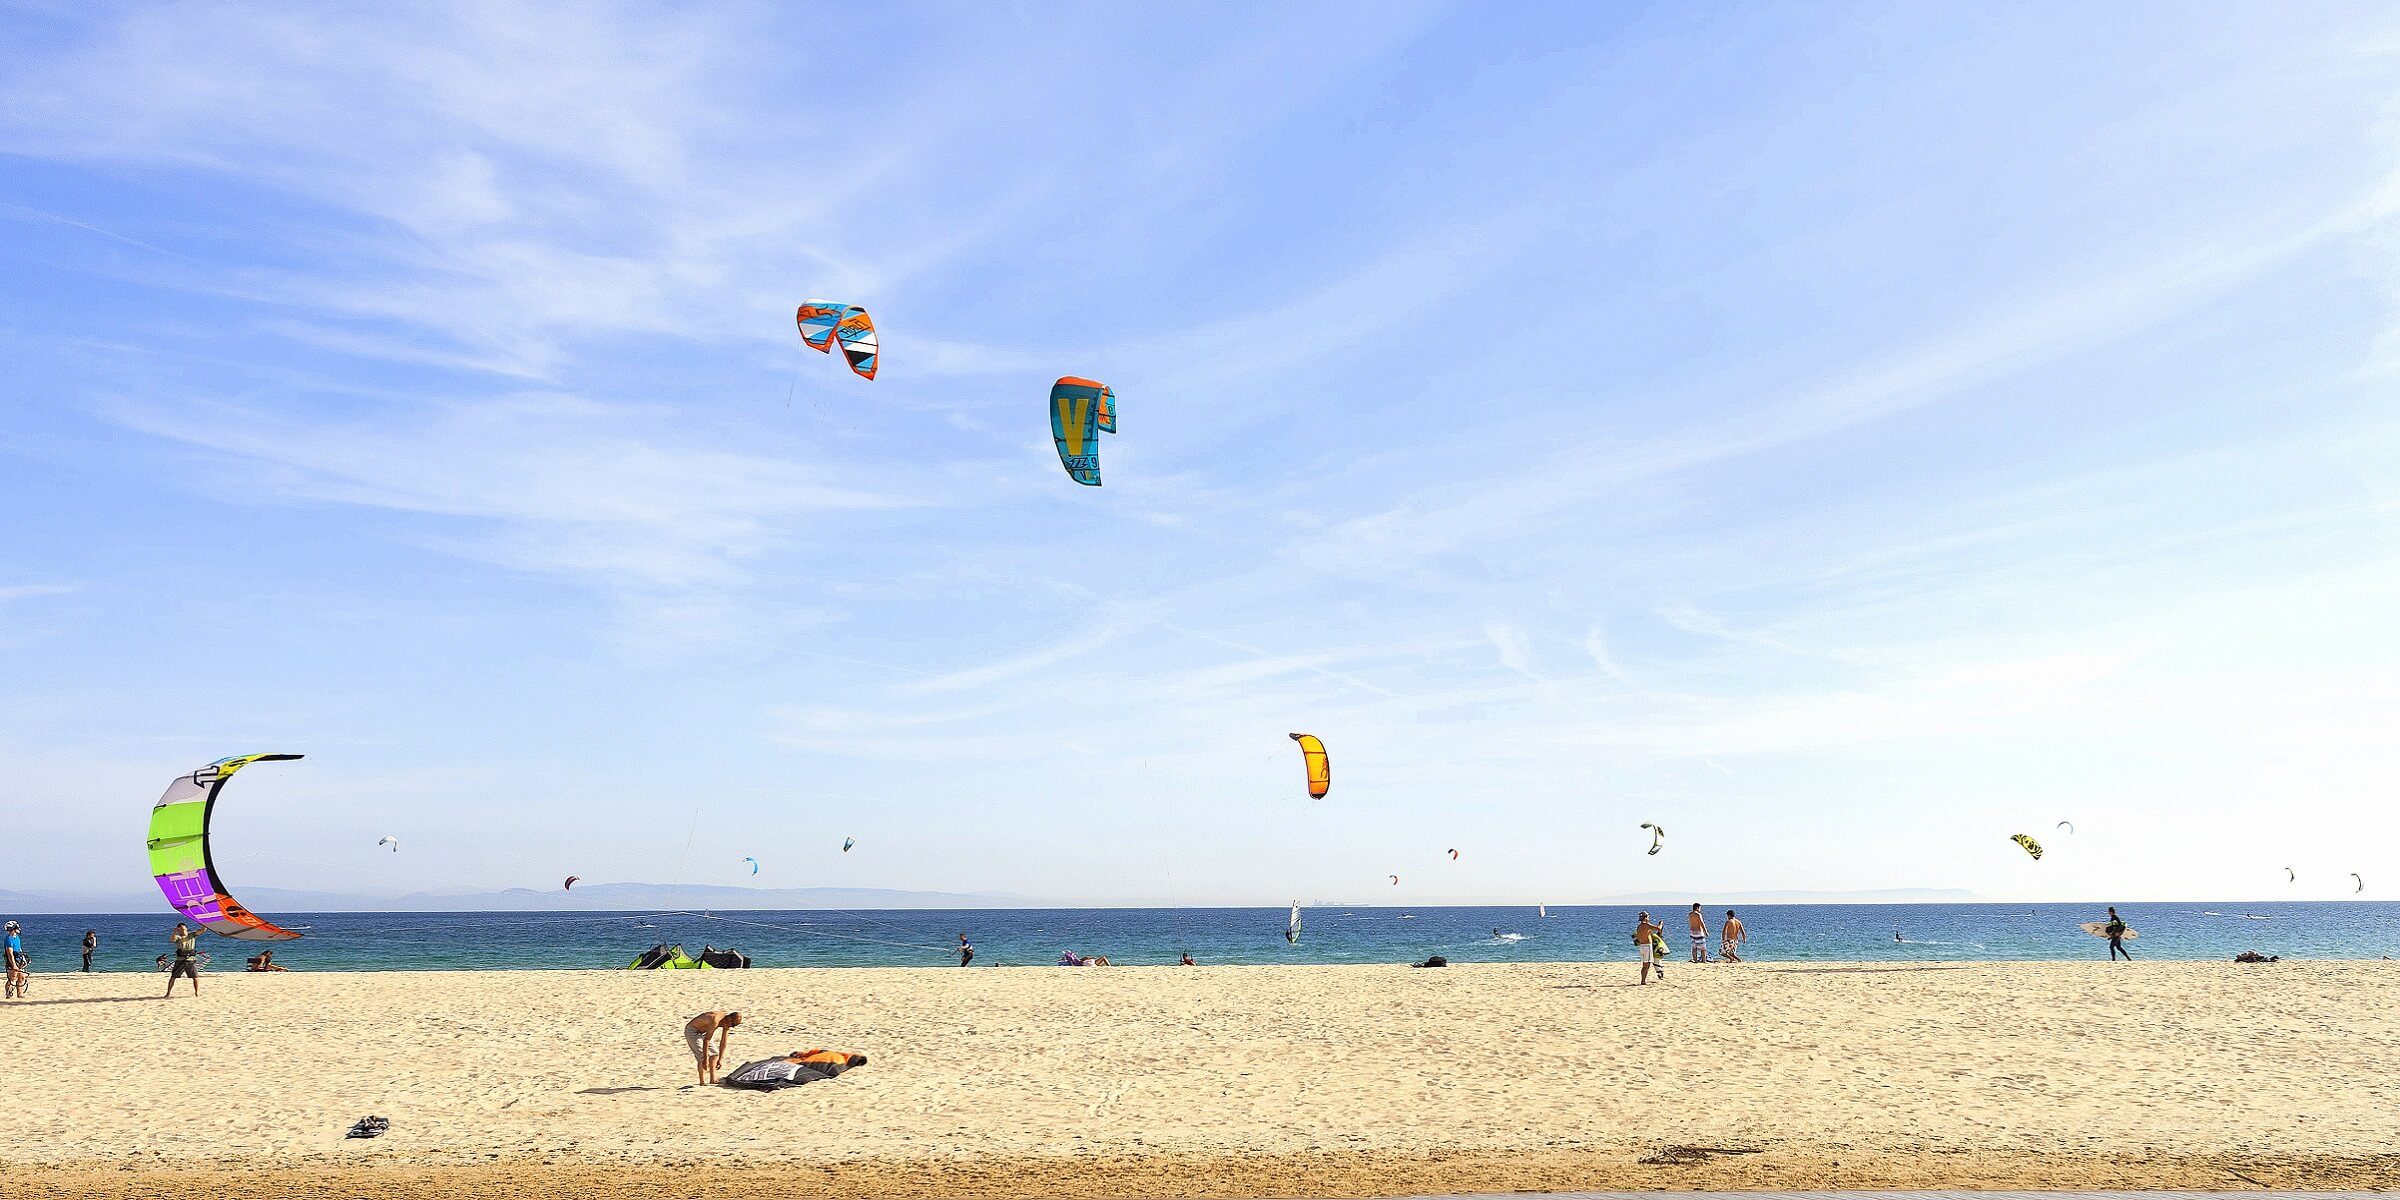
{"x":1291,"y":932}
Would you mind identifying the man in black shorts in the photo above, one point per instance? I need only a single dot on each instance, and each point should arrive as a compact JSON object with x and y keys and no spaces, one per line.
{"x":91,"y":942}
{"x":187,"y":960}
{"x":966,"y":950}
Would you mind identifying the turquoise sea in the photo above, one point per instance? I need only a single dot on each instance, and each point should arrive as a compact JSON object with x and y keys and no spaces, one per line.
{"x":1134,"y":936}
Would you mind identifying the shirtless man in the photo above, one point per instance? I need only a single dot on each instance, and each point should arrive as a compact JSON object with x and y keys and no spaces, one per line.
{"x":1645,"y":933}
{"x":696,"y":1035}
{"x":1730,"y":938}
{"x":1699,"y":934}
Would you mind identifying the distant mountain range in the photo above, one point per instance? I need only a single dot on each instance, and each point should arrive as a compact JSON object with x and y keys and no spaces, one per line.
{"x":605,"y":896}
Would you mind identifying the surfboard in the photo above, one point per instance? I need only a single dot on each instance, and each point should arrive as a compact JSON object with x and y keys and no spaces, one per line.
{"x":2100,"y":929}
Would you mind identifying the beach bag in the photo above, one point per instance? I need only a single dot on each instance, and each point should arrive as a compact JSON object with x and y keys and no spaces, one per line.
{"x":773,"y":1075}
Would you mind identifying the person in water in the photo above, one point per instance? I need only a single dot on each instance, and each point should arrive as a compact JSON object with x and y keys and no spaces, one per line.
{"x":91,"y":942}
{"x":187,"y":960}
{"x":696,"y":1035}
{"x":2115,"y":929}
{"x":1730,"y":938}
{"x":1645,"y":943}
{"x":1187,"y":959}
{"x":966,"y":950}
{"x":1291,"y":937}
{"x":1699,"y":926}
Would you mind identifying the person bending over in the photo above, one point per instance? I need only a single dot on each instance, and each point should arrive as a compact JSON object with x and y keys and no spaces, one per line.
{"x":697,"y":1035}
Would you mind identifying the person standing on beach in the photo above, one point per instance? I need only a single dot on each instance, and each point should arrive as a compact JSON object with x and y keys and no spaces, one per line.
{"x":14,"y":950}
{"x":966,"y":950}
{"x":1645,"y":941}
{"x":187,"y":960}
{"x":1731,"y":937}
{"x":91,"y":942}
{"x":2115,"y":929}
{"x":696,"y":1035}
{"x":1699,"y":934}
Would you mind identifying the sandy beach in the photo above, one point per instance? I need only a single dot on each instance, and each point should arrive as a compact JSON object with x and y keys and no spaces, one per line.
{"x":1233,"y":1081}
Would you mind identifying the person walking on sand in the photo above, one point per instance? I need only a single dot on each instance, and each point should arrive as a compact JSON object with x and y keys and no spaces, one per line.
{"x":966,"y":950}
{"x":1730,"y":938}
{"x":187,"y":960}
{"x":696,"y":1035}
{"x":1699,"y":926}
{"x":1645,"y":941}
{"x":14,"y":950}
{"x":2115,"y":929}
{"x":91,"y":942}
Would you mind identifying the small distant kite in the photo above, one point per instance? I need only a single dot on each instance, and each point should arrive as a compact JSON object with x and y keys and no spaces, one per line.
{"x":2290,"y":875}
{"x":389,"y":840}
{"x":2069,"y":826}
{"x":1395,"y":881}
{"x":1080,"y":411}
{"x":753,"y":865}
{"x":847,"y":843}
{"x":1658,"y":836}
{"x":1454,"y":856}
{"x":2028,"y":845}
{"x":570,"y":884}
{"x":823,"y":322}
{"x":2357,"y":885}
{"x":1320,"y":768}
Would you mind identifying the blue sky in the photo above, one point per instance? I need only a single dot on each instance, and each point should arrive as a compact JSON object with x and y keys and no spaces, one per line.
{"x":1846,"y":436}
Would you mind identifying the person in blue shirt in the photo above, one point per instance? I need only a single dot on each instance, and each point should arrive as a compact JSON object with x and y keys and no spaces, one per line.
{"x":15,"y":950}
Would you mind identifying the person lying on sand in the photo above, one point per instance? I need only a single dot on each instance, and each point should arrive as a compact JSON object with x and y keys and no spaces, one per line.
{"x":264,"y":960}
{"x":696,"y":1035}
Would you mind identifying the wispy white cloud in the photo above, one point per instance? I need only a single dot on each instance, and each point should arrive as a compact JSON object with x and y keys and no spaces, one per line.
{"x":548,"y":482}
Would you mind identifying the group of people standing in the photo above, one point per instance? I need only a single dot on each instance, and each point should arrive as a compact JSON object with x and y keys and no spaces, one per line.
{"x":1650,"y":941}
{"x":13,"y":952}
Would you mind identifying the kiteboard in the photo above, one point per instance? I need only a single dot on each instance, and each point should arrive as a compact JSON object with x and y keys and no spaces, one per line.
{"x":2100,"y":929}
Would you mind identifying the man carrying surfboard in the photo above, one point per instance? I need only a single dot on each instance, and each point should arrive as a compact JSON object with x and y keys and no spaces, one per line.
{"x":2115,"y":928}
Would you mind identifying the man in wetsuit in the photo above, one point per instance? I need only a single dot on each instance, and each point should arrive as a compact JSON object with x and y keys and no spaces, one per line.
{"x":91,"y":942}
{"x":966,"y":950}
{"x":2115,"y":929}
{"x":187,"y":960}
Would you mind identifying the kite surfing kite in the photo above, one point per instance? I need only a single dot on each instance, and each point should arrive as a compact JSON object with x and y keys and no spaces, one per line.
{"x":2028,"y":845}
{"x":1658,"y":836}
{"x":2357,"y":885}
{"x":847,"y":843}
{"x":570,"y":884}
{"x":824,"y":322}
{"x":1395,"y":881}
{"x":180,"y":859}
{"x":2290,"y":875}
{"x":1080,"y":411}
{"x":1454,"y":855}
{"x":389,"y":840}
{"x":753,"y":865}
{"x":2069,"y":826}
{"x":1320,"y":768}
